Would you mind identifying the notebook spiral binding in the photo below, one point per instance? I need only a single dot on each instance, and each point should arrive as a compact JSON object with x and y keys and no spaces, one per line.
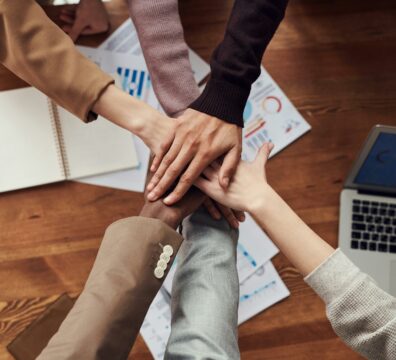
{"x":61,"y":148}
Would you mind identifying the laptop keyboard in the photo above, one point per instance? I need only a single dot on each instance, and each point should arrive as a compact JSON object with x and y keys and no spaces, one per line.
{"x":373,"y":226}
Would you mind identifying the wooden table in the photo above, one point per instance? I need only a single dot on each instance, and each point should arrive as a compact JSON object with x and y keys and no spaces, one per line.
{"x":336,"y":61}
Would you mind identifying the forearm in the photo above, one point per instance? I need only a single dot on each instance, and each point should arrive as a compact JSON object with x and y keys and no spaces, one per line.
{"x":235,"y":63}
{"x":124,"y":110}
{"x":206,"y":270}
{"x":40,"y":53}
{"x":161,"y":36}
{"x":305,"y":249}
{"x":120,"y":288}
{"x":362,"y":314}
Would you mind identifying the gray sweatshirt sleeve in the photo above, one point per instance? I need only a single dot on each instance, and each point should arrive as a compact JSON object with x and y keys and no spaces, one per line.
{"x":361,"y":314}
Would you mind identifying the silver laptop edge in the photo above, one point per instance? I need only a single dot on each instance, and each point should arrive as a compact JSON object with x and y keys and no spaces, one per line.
{"x":379,"y":265}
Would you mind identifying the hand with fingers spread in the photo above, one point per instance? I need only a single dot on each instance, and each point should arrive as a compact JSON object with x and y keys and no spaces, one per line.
{"x":88,"y":18}
{"x":248,"y":185}
{"x":199,"y":140}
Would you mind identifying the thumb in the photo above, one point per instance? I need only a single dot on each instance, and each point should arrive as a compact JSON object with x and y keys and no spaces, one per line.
{"x":76,"y":30}
{"x":263,"y":154}
{"x":229,"y":166}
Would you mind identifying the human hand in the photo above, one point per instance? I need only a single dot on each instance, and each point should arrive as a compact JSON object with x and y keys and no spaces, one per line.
{"x":154,"y":128}
{"x":248,"y":185}
{"x":199,"y":140}
{"x":88,"y":18}
{"x":174,"y":215}
{"x":217,"y":210}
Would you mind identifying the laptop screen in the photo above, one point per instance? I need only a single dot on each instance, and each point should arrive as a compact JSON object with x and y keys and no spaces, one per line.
{"x":379,"y":167}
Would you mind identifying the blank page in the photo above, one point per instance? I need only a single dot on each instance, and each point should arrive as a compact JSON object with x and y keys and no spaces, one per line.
{"x":29,"y":153}
{"x":95,"y":148}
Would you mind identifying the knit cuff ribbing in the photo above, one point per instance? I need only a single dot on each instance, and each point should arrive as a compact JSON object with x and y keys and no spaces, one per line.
{"x":222,"y":100}
{"x":333,"y":276}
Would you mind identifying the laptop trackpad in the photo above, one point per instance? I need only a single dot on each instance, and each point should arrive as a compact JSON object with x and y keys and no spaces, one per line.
{"x":392,"y":278}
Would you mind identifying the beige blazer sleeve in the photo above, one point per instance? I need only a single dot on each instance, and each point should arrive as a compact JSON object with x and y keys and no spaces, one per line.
{"x":106,"y":318}
{"x":39,"y":52}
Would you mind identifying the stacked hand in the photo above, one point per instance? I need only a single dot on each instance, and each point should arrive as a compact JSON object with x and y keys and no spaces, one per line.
{"x":192,"y":141}
{"x":173,"y":215}
{"x":248,"y":186}
{"x":197,"y":140}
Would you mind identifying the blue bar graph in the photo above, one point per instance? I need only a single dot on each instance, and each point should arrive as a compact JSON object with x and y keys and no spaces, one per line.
{"x":135,"y":82}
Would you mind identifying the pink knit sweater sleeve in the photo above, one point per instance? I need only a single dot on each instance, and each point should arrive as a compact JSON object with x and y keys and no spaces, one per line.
{"x":161,"y":36}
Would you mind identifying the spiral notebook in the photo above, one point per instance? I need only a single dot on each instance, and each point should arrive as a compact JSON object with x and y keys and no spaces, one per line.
{"x":42,"y":143}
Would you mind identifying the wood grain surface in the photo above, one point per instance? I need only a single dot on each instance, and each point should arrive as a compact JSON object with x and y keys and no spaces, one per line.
{"x":336,"y":60}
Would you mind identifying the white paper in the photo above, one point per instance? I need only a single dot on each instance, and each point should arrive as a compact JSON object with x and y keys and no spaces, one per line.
{"x":131,"y":179}
{"x":29,"y":149}
{"x":253,"y":250}
{"x":156,"y":327}
{"x":257,"y":293}
{"x":270,"y":116}
{"x":125,"y":40}
{"x":260,"y":291}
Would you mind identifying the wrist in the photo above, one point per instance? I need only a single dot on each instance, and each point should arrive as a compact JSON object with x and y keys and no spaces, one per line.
{"x":122,"y":109}
{"x":156,"y":211}
{"x":261,"y":203}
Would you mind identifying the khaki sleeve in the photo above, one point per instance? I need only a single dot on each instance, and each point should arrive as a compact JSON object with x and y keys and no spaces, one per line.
{"x":39,"y":52}
{"x":107,"y":316}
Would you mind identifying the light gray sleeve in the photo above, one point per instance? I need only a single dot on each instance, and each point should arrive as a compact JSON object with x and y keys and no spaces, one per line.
{"x":205,"y":292}
{"x":362,"y":315}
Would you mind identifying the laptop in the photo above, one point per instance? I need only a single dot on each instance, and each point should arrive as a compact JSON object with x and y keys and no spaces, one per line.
{"x":367,"y":232}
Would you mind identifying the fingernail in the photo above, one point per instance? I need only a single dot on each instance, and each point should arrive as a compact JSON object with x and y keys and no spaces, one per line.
{"x":152,"y":168}
{"x":242,"y":217}
{"x":151,"y":196}
{"x":169,"y":200}
{"x":150,"y":186}
{"x":226,"y":181}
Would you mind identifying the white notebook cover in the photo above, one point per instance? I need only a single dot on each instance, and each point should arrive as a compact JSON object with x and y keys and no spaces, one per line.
{"x":32,"y":153}
{"x":95,"y":148}
{"x":29,"y":153}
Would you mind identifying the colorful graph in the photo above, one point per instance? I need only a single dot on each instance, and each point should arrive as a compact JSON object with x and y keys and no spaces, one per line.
{"x":272,"y":105}
{"x":135,"y":82}
{"x":259,"y":290}
{"x":255,"y":134}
